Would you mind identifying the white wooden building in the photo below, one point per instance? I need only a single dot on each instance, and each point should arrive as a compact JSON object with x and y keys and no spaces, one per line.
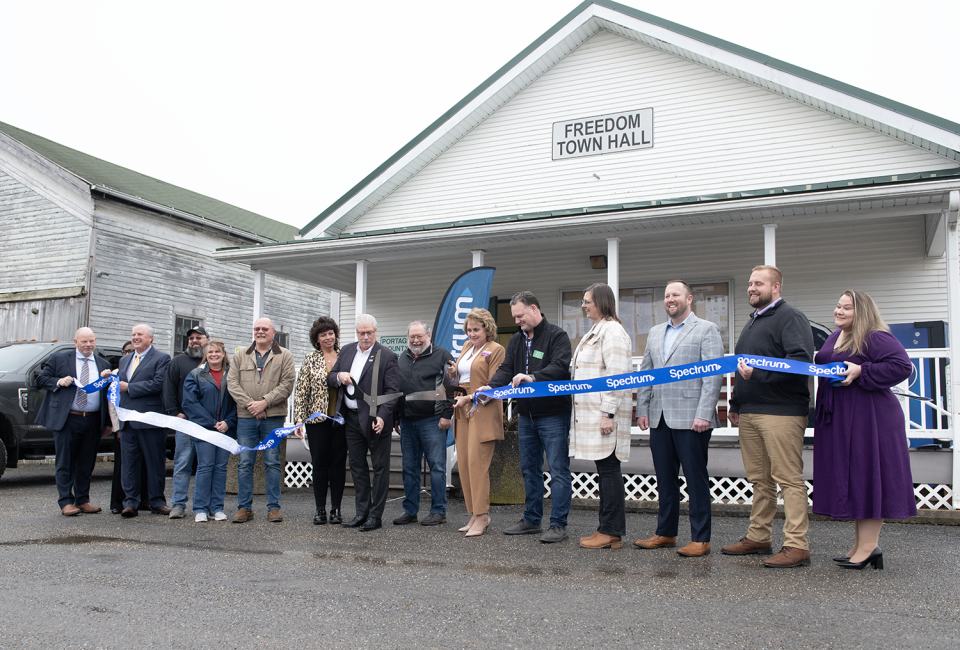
{"x":86,"y":242}
{"x":673,"y":154}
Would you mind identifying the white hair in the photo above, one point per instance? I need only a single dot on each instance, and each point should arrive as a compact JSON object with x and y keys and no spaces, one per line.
{"x":145,"y":326}
{"x":366,"y":319}
{"x":426,"y":328}
{"x":266,"y":319}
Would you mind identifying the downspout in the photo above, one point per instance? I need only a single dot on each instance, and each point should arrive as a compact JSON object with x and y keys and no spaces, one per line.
{"x":953,"y":318}
{"x":91,"y":250}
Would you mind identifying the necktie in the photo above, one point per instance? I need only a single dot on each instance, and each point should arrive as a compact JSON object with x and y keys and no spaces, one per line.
{"x":133,"y":366}
{"x":84,"y":379}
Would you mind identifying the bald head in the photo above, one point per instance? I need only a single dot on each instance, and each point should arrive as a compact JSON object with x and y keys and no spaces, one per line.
{"x":85,"y":341}
{"x":263,"y":333}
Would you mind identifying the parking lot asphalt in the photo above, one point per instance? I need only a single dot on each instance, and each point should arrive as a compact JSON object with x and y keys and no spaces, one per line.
{"x":99,"y":581}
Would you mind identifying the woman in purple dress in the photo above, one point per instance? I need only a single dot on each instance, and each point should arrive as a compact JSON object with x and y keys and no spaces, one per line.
{"x":861,"y":469}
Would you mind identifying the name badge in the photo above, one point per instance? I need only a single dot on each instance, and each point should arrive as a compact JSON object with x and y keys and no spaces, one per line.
{"x":537,"y":354}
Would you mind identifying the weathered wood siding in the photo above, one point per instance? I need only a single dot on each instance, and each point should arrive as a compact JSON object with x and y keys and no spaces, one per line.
{"x":713,"y":133}
{"x":55,"y":319}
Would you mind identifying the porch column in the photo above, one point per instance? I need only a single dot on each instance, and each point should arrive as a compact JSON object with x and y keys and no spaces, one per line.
{"x":770,"y":244}
{"x":478,"y":257}
{"x":953,"y":318}
{"x":613,"y":267}
{"x":361,"y":290}
{"x":259,"y":280}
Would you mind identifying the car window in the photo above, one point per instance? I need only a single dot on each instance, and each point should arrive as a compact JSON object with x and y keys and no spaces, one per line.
{"x":15,"y":357}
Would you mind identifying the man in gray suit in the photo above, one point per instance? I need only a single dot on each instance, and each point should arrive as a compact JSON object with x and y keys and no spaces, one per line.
{"x":682,"y":415}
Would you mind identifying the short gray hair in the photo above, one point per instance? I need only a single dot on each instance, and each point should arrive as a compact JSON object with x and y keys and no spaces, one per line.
{"x":366,"y":319}
{"x":423,"y":324}
{"x":149,"y":329}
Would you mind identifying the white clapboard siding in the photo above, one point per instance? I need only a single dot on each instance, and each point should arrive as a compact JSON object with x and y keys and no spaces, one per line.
{"x":42,"y":246}
{"x":712,"y":132}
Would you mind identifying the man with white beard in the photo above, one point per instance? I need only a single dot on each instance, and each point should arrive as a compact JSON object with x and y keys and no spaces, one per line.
{"x":185,"y":451}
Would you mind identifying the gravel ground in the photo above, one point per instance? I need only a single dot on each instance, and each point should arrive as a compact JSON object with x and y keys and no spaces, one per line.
{"x":99,"y":581}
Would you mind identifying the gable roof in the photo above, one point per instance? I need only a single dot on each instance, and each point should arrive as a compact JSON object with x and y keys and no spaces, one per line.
{"x":895,"y":119}
{"x":127,"y":184}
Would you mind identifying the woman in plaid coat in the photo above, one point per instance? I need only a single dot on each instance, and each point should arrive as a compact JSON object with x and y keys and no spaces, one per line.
{"x":601,"y":421}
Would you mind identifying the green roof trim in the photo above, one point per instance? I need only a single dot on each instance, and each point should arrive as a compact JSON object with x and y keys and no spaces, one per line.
{"x":753,"y":55}
{"x":102,"y":173}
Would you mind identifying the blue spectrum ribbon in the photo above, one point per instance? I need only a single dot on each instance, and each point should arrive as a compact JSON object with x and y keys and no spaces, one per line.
{"x":186,"y":426}
{"x":630,"y":380}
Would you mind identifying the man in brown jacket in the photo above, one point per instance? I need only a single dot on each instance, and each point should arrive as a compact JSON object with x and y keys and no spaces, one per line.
{"x":260,"y":380}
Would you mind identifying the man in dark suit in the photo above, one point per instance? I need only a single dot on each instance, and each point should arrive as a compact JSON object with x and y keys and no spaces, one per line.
{"x":141,"y":389}
{"x":365,"y":431}
{"x":78,"y":420}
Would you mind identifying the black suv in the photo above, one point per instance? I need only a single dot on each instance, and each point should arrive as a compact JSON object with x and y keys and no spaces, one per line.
{"x":20,"y":365}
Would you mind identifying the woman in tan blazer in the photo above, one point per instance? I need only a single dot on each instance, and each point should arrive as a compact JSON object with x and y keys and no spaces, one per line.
{"x":476,"y":432}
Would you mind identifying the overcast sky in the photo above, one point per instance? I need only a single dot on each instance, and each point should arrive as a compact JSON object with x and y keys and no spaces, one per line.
{"x":281,"y":107}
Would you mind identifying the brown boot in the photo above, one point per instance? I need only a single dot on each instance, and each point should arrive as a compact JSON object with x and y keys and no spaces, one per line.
{"x":589,"y":539}
{"x":242,"y":515}
{"x":788,"y":557}
{"x":70,"y":510}
{"x":274,"y":516}
{"x":746,"y":547}
{"x":657,"y":541}
{"x":601,"y":541}
{"x":695,"y":549}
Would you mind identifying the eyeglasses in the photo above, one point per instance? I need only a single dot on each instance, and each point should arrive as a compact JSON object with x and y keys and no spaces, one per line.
{"x":126,"y":352}
{"x":416,"y":337}
{"x":261,"y":329}
{"x":366,"y":333}
{"x":586,"y":302}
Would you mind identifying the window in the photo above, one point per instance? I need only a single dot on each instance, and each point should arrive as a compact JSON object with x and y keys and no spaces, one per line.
{"x":181,"y":327}
{"x":282,"y":339}
{"x":506,"y":325}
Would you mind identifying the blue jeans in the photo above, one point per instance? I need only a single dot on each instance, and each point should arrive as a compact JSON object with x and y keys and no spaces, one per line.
{"x":419,"y":438}
{"x":210,"y":486}
{"x":538,"y":436}
{"x":250,"y":433}
{"x":182,"y":467}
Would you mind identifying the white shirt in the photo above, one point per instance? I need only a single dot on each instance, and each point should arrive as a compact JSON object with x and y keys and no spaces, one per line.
{"x":465,"y":362}
{"x":93,"y":399}
{"x":356,"y":369}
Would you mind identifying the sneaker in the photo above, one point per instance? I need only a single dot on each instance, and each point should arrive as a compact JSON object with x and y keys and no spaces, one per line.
{"x":405,"y":518}
{"x":178,"y":512}
{"x":201,"y":516}
{"x":219,"y":516}
{"x":553,"y":535}
{"x":523,"y":528}
{"x":434,"y":519}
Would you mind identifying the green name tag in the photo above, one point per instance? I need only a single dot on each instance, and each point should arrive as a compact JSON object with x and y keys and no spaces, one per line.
{"x":537,"y":354}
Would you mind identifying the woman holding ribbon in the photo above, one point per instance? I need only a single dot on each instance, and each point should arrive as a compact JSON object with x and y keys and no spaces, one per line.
{"x":861,"y":469}
{"x":207,"y":402}
{"x":601,"y":421}
{"x":477,"y":427}
{"x":328,"y":441}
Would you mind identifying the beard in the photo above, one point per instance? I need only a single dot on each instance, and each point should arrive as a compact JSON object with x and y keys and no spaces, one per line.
{"x":195,"y":353}
{"x":417,"y":349}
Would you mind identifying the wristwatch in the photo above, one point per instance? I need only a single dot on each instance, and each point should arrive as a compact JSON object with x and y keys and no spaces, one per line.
{"x":609,"y":415}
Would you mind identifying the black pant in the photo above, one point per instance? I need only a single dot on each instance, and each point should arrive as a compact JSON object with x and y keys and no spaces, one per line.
{"x":328,"y":453}
{"x":671,"y":450}
{"x":76,"y":448}
{"x":116,"y":490}
{"x":149,"y":444}
{"x":359,"y":442}
{"x":613,"y":507}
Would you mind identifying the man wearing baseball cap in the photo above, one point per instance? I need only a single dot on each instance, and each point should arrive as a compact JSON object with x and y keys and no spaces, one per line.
{"x":183,"y":455}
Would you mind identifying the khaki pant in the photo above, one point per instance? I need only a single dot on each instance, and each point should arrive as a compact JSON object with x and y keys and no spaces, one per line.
{"x":771,"y":446}
{"x":473,"y":463}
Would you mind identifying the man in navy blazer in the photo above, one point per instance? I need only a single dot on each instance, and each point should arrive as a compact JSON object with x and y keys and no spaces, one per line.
{"x":141,"y":389}
{"x":78,"y":420}
{"x":366,"y":431}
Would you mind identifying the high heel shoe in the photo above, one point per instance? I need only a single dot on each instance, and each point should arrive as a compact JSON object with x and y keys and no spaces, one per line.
{"x":875,"y":558}
{"x":476,"y":532}
{"x":846,"y":558}
{"x":467,"y":527}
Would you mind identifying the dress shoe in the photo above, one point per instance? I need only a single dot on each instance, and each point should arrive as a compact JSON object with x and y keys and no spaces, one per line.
{"x":242,"y":515}
{"x":370,"y":524}
{"x":657,"y":541}
{"x":434,"y":519}
{"x":522,"y":528}
{"x":553,"y":535}
{"x":694,"y":549}
{"x":404,"y":519}
{"x":320,"y":518}
{"x":845,"y":558}
{"x":747,"y":547}
{"x":875,"y":558}
{"x":335,"y":516}
{"x":356,"y":522}
{"x":89,"y":509}
{"x":116,"y":511}
{"x":70,"y":510}
{"x":787,"y":558}
{"x":274,"y":516}
{"x":161,"y":510}
{"x":128,"y":512}
{"x":602,"y":541}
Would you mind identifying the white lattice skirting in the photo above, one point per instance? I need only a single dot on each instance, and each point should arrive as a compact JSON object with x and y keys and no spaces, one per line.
{"x":643,"y":487}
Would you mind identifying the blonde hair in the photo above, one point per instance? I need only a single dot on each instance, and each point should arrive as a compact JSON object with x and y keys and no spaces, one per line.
{"x":217,"y":343}
{"x":866,"y":319}
{"x":484,"y":319}
{"x":774,"y":272}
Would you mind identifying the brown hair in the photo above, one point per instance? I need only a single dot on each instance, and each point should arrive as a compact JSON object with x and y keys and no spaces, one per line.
{"x":321,"y":325}
{"x":483,"y":318}
{"x":223,"y":348}
{"x":773,"y":271}
{"x":685,"y":286}
{"x":604,"y":300}
{"x":866,"y":319}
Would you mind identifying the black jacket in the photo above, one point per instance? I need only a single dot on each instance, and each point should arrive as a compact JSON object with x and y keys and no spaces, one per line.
{"x":180,"y":366}
{"x":549,"y":361}
{"x":423,"y":373}
{"x":782,"y":332}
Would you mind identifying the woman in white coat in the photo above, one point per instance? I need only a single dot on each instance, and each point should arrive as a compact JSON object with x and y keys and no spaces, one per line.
{"x":601,"y":421}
